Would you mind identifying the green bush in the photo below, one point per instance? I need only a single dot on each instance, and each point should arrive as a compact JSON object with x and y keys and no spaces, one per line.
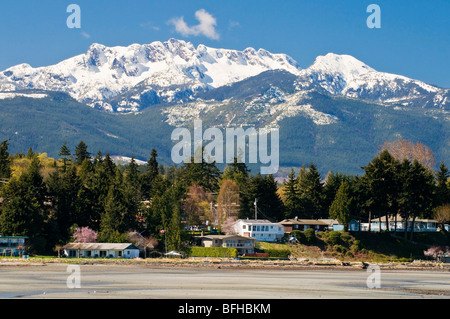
{"x":280,"y":253}
{"x":357,"y":246}
{"x":340,"y":249}
{"x":225,"y":252}
{"x":310,"y":236}
{"x":334,"y":238}
{"x":299,"y":235}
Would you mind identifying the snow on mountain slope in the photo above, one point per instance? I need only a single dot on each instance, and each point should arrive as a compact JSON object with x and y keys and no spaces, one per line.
{"x":345,"y":75}
{"x":105,"y":72}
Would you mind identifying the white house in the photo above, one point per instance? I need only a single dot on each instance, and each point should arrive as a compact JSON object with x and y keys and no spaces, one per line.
{"x":260,"y":229}
{"x":119,"y":250}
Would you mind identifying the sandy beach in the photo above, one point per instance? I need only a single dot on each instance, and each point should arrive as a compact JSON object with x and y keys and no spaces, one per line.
{"x":217,"y":279}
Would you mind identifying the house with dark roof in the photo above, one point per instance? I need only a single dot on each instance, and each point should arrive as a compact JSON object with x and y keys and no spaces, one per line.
{"x":244,"y":245}
{"x":304,"y":224}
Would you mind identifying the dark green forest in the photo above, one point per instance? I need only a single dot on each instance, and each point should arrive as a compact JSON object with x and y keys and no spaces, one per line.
{"x":46,"y":199}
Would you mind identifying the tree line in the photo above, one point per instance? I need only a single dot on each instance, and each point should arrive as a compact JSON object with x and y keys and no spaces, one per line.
{"x":47,"y":199}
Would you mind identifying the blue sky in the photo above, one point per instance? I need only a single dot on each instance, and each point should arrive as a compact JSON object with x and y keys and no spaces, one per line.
{"x":414,"y":38}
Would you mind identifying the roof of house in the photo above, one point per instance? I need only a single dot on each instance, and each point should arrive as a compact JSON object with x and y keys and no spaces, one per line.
{"x":225,"y":237}
{"x":294,"y":221}
{"x":399,"y":219}
{"x":257,"y":221}
{"x":100,"y":246}
{"x":14,"y":237}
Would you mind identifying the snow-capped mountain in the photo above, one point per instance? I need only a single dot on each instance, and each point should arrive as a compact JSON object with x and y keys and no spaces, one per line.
{"x":129,"y":79}
{"x":162,"y":71}
{"x":347,"y":76}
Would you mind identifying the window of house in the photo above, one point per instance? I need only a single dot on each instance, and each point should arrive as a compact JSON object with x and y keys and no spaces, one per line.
{"x":244,"y":226}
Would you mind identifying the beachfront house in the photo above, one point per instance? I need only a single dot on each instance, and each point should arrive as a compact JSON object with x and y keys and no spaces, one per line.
{"x":304,"y":224}
{"x":244,"y":245}
{"x":12,"y":245}
{"x":259,"y":229}
{"x":105,"y":250}
{"x":397,"y":223}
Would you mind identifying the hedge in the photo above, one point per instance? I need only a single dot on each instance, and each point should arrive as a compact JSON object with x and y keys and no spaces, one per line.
{"x":212,"y":252}
{"x":280,"y":253}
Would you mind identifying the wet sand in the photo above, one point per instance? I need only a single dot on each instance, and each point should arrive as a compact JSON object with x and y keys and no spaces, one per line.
{"x":98,"y":281}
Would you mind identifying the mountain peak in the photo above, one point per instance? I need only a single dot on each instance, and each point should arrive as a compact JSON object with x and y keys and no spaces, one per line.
{"x":343,"y":64}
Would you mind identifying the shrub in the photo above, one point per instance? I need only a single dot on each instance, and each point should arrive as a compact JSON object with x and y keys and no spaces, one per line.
{"x":310,"y":236}
{"x":212,"y":252}
{"x":340,"y":249}
{"x":299,"y":235}
{"x":280,"y":253}
{"x":334,"y":238}
{"x":356,"y":245}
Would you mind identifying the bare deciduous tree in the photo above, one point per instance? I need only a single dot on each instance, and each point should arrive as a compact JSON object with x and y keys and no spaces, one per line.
{"x":442,"y":215}
{"x":197,"y":204}
{"x":228,"y":200}
{"x":403,"y":149}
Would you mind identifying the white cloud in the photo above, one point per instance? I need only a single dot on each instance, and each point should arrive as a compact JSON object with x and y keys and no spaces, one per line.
{"x":85,"y":35}
{"x":149,"y":25}
{"x":206,"y":26}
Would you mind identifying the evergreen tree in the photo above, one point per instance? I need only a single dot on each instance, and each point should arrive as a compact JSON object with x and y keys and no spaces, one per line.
{"x":341,"y":207}
{"x":64,"y":152}
{"x":382,"y":184}
{"x":442,"y":189}
{"x":148,"y":178}
{"x":332,"y":183}
{"x":263,"y":191}
{"x":173,"y":231}
{"x":291,"y":196}
{"x":81,"y":153}
{"x":5,"y":162}
{"x":23,"y":212}
{"x":115,"y":210}
{"x":416,"y":197}
{"x":204,"y":174}
{"x":63,"y":188}
{"x":311,"y":192}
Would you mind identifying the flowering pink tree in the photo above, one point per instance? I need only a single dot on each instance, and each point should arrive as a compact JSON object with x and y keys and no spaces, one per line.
{"x":436,"y":252}
{"x":228,"y":226}
{"x":84,"y":235}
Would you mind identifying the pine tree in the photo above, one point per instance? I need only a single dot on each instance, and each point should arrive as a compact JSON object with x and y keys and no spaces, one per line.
{"x":173,"y":232}
{"x":5,"y":162}
{"x":81,"y":153}
{"x":23,"y":212}
{"x":341,"y":207}
{"x":311,"y":192}
{"x":64,"y":152}
{"x":442,"y":189}
{"x":291,"y":196}
{"x":382,"y":183}
{"x":149,"y":177}
{"x":63,"y":188}
{"x":112,"y":220}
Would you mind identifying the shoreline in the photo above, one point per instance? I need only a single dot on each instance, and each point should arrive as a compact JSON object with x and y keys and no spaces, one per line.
{"x":225,"y":263}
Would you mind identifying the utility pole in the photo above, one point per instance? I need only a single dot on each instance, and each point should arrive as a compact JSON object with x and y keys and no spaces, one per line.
{"x":256,"y":208}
